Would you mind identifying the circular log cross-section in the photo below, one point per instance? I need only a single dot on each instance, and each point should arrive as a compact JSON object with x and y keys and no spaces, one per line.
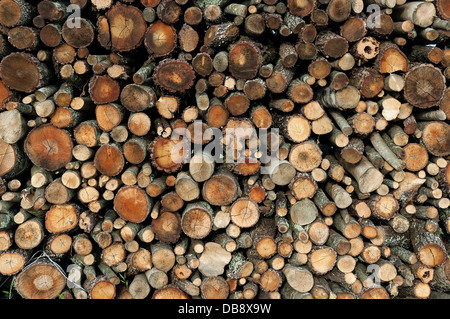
{"x":108,"y":116}
{"x":305,"y":156}
{"x":375,"y":293}
{"x":237,"y":103}
{"x":61,"y":218}
{"x":197,"y":220}
{"x":41,"y":280}
{"x":137,"y":98}
{"x":164,"y":154}
{"x":109,"y":160}
{"x":126,"y":26}
{"x":303,"y":212}
{"x":49,"y":147}
{"x":80,"y":36}
{"x":339,"y":10}
{"x":353,"y":29}
{"x":11,"y":160}
{"x":29,"y":234}
{"x":415,"y":156}
{"x":202,"y":64}
{"x":100,"y":288}
{"x":215,"y":287}
{"x":23,"y":72}
{"x":300,"y":7}
{"x":169,"y":292}
{"x":244,"y":60}
{"x":114,"y":254}
{"x":384,"y":207}
{"x":244,"y":212}
{"x":160,"y":39}
{"x":59,"y":244}
{"x":322,"y":259}
{"x":132,"y":204}
{"x":271,"y":280}
{"x":22,"y":38}
{"x":50,"y":35}
{"x":389,"y":59}
{"x":174,"y":75}
{"x":427,"y":245}
{"x":424,"y":86}
{"x":303,"y":186}
{"x":299,"y":277}
{"x":331,"y":44}
{"x":436,"y":138}
{"x":11,"y":262}
{"x":134,"y":151}
{"x":368,"y":81}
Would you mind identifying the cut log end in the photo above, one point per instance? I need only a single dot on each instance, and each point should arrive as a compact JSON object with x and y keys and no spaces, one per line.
{"x":49,"y":147}
{"x":40,"y":281}
{"x":132,"y":204}
{"x":174,"y":76}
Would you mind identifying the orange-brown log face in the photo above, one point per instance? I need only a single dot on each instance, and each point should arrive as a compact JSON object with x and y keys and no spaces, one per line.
{"x":133,"y":152}
{"x":109,"y":160}
{"x":61,"y":218}
{"x":393,"y":60}
{"x":132,"y":204}
{"x":219,"y":191}
{"x":127,"y":27}
{"x":372,"y":85}
{"x":150,"y":3}
{"x":41,"y":281}
{"x":104,"y":90}
{"x":108,"y":116}
{"x":196,"y":223}
{"x":103,"y":290}
{"x":19,"y":72}
{"x":9,"y":13}
{"x":160,"y":39}
{"x":174,"y":76}
{"x":49,"y":147}
{"x":167,"y":155}
{"x":244,"y":213}
{"x":5,"y":93}
{"x":244,"y":61}
{"x":8,"y":158}
{"x":432,"y":255}
{"x":436,"y":137}
{"x":169,"y":292}
{"x":62,"y":117}
{"x":167,"y":227}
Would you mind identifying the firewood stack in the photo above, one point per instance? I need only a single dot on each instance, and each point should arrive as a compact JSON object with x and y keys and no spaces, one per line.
{"x":93,"y":182}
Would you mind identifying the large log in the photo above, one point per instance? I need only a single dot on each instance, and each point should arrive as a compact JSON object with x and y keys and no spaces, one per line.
{"x":121,"y":153}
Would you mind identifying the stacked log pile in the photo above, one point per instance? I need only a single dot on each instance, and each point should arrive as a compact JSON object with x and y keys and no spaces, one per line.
{"x":98,"y":201}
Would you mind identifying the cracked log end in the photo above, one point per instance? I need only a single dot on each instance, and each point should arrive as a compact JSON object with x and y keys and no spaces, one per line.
{"x":49,"y":147}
